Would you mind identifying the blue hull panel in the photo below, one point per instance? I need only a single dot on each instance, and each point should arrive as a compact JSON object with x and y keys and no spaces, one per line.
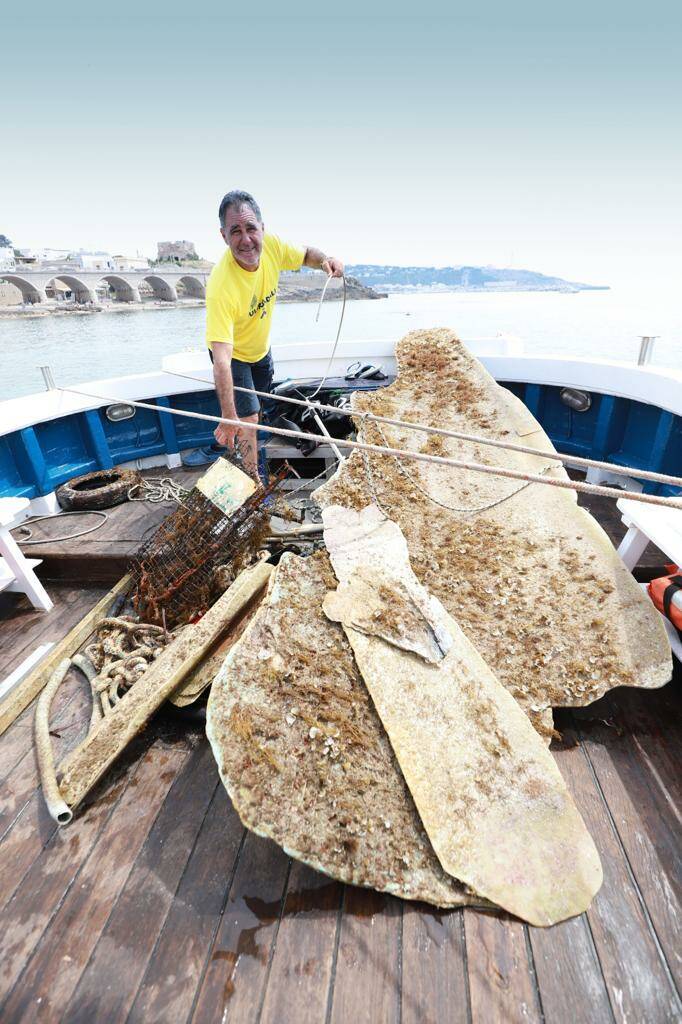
{"x":36,"y":460}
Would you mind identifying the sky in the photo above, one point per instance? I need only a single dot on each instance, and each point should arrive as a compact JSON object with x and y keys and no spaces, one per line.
{"x":537,"y":135}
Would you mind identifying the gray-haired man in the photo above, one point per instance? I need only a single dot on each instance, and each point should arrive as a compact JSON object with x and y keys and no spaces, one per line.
{"x":240,"y":299}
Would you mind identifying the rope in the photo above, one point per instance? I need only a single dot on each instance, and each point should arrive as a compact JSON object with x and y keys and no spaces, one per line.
{"x":157,"y":489}
{"x":453,"y":508}
{"x":573,"y":460}
{"x":440,"y":460}
{"x":28,"y":533}
{"x":338,"y":333}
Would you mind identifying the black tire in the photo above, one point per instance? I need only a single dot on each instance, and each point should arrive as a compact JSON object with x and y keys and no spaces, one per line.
{"x":101,"y":489}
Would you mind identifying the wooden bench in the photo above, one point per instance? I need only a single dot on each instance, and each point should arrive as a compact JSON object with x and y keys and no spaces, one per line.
{"x":16,"y":571}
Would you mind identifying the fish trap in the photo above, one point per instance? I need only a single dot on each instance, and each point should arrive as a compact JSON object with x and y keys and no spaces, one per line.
{"x":213,"y":534}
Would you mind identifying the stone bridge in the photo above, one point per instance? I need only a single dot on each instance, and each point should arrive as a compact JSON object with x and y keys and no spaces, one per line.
{"x":125,"y":284}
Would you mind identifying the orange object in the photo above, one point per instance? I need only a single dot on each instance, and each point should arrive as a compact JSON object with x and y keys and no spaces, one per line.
{"x":666,"y":593}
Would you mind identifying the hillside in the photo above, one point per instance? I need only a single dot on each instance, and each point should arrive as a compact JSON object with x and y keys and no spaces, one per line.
{"x":463,"y":278}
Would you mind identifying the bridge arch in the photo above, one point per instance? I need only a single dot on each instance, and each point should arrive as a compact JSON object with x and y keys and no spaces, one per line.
{"x":122,"y":289}
{"x":80,"y":290}
{"x":161,"y":288}
{"x":30,"y":294}
{"x":191,"y":287}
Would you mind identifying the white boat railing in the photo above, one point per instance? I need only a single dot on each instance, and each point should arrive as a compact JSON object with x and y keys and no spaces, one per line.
{"x":503,"y":357}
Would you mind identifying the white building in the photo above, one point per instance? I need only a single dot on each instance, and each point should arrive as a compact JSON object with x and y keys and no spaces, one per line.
{"x":130,"y":262}
{"x":91,"y":260}
{"x":37,"y":256}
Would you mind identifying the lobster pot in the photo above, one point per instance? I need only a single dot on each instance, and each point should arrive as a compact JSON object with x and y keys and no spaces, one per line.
{"x":205,"y":540}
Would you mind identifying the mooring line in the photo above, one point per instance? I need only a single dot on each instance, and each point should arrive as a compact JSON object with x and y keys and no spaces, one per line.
{"x":439,"y":460}
{"x":573,"y":460}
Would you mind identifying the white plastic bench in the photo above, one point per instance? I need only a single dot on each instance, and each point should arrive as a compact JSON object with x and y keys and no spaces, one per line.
{"x":661,"y":526}
{"x":16,"y":571}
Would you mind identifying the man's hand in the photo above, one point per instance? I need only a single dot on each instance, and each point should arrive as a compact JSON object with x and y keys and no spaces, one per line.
{"x":225,"y":434}
{"x":332,"y":266}
{"x":316,"y":260}
{"x":222,"y":374}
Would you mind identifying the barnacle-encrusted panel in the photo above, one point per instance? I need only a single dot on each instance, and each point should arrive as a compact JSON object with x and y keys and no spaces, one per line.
{"x":533,"y":581}
{"x":302,"y":752}
{"x":492,"y":800}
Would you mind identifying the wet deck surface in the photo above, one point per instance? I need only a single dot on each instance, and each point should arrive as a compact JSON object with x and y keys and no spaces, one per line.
{"x":155,"y":904}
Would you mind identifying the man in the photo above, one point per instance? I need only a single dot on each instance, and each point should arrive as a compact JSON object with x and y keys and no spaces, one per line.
{"x":240,"y":300}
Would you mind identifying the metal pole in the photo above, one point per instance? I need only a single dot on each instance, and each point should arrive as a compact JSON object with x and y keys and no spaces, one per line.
{"x":47,"y":377}
{"x":646,"y":347}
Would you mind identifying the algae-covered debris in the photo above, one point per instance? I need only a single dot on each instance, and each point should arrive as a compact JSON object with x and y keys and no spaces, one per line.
{"x":532,"y":579}
{"x":490,"y":796}
{"x":303,"y":754}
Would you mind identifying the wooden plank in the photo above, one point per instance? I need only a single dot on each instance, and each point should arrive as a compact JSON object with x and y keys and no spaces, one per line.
{"x":653,"y":720}
{"x":236,"y":975}
{"x":17,"y":739}
{"x":567,"y":968}
{"x":48,"y":879}
{"x":108,"y":985}
{"x":434,"y":979}
{"x":637,"y":980}
{"x":501,"y":980}
{"x":301,"y":966}
{"x":568,"y":973}
{"x":88,"y":762}
{"x":649,"y":830}
{"x":24,"y":632}
{"x":71,"y":713}
{"x":176,"y":966}
{"x":31,"y":686}
{"x":368,"y":964}
{"x":76,"y":918}
{"x":24,"y":819}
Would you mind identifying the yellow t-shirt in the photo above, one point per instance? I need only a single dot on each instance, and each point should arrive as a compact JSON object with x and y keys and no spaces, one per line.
{"x":239,"y":303}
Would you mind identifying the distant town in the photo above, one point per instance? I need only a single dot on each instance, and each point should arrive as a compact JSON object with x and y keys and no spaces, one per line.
{"x":43,"y":281}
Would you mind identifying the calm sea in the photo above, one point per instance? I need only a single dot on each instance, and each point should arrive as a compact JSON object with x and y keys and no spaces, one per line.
{"x":598,"y":324}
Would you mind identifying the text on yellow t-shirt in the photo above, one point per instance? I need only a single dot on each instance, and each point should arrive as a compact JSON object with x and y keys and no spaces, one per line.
{"x":239,"y":303}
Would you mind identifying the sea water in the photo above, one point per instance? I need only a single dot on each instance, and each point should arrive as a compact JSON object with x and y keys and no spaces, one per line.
{"x":599,"y":324}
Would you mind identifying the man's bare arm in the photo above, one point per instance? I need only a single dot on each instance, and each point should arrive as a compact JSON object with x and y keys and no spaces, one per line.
{"x":316,"y":260}
{"x":222,"y":374}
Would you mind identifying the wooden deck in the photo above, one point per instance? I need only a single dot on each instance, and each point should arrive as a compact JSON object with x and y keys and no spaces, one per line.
{"x":156,"y":905}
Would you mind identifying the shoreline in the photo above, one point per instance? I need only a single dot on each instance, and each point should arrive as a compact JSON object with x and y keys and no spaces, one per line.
{"x":40,"y":310}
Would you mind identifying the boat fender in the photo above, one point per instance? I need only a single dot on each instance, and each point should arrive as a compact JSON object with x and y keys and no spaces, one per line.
{"x":666,"y":593}
{"x":101,"y":489}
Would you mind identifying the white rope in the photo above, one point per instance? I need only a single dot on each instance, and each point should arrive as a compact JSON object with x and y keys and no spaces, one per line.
{"x":28,"y":533}
{"x":572,"y":460}
{"x":157,"y":489}
{"x":440,"y":460}
{"x":338,"y":333}
{"x":450,"y":508}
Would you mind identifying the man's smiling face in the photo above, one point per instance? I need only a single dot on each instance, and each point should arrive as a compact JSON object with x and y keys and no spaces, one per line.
{"x":243,"y":232}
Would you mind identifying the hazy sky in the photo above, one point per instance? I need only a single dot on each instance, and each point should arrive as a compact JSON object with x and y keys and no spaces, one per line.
{"x":539,"y":135}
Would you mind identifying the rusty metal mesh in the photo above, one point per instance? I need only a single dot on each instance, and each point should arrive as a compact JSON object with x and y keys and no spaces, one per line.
{"x":174,"y":573}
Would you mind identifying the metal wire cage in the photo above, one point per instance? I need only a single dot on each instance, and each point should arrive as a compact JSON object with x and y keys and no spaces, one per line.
{"x":174,"y":572}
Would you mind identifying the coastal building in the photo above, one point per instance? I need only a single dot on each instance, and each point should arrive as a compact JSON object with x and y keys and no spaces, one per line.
{"x":130,"y":262}
{"x":41,"y":255}
{"x":182,"y":250}
{"x":84,"y":260}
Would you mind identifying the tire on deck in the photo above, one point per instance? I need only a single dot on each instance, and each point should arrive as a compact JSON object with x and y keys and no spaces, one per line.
{"x":101,"y":489}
